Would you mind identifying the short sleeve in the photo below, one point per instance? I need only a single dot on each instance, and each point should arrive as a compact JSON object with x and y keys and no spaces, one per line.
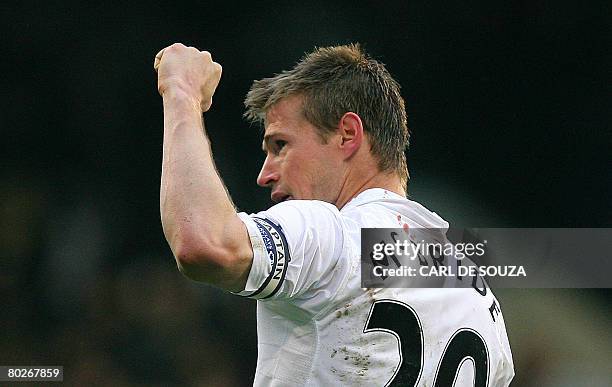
{"x":296,"y":248}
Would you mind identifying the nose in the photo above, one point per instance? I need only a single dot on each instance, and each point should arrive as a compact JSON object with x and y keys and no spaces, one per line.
{"x":269,"y":173}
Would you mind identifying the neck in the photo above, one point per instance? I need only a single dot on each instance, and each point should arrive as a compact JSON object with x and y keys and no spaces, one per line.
{"x":353,"y":187}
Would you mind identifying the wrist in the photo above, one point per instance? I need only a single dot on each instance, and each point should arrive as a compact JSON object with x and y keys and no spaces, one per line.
{"x":178,"y":97}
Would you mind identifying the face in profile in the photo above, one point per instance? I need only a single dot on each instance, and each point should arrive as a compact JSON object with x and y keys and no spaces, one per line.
{"x":298,"y":164}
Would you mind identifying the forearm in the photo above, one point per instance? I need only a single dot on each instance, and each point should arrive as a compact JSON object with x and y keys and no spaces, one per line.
{"x":195,"y":206}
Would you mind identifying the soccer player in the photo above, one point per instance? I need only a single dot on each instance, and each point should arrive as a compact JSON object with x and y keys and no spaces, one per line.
{"x":335,"y":135}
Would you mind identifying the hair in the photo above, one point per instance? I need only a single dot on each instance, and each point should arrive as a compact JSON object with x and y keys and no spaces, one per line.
{"x":336,"y":80}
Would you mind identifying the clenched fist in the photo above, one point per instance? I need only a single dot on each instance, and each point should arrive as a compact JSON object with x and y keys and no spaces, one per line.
{"x":189,"y":71}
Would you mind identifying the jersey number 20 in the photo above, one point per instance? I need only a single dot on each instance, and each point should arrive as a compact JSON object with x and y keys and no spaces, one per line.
{"x":401,"y":320}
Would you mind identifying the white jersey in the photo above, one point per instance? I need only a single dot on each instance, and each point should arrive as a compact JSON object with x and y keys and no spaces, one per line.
{"x":316,"y":326}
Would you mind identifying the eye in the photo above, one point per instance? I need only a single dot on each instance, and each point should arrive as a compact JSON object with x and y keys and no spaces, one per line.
{"x":279,"y":145}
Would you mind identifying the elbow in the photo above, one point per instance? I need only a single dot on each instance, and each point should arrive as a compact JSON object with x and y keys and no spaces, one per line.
{"x":218,"y":260}
{"x":192,"y":263}
{"x":197,"y":261}
{"x":204,"y":261}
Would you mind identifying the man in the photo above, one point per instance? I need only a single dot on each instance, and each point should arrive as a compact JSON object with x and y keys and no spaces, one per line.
{"x":335,"y":134}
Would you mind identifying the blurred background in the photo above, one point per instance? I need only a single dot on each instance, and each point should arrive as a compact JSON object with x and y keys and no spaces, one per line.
{"x":509,"y":107}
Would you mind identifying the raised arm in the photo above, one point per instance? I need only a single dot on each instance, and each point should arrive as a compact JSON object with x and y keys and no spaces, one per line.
{"x":208,"y":240}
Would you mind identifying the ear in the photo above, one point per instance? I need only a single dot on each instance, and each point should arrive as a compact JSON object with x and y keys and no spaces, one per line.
{"x":350,"y":129}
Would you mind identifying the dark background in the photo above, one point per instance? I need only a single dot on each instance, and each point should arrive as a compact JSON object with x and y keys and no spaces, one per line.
{"x":509,"y":108}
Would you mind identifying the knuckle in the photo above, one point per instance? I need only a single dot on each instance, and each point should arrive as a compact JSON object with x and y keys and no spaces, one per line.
{"x":176,"y":47}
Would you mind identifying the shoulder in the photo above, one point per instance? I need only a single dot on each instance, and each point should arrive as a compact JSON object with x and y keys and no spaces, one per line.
{"x":307,"y":212}
{"x":296,"y":245}
{"x":305,"y":222}
{"x":305,"y":225}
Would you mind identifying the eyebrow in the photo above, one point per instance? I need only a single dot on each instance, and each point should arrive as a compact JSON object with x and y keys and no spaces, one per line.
{"x":267,"y":139}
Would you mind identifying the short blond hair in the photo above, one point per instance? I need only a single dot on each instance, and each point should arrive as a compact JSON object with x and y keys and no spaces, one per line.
{"x":336,"y":80}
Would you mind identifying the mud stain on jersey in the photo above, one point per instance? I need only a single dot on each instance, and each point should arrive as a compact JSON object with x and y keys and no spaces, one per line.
{"x":361,"y":361}
{"x":344,"y":311}
{"x":341,"y":375}
{"x":371,"y":292}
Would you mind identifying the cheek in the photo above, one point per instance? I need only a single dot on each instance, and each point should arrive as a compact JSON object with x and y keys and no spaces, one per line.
{"x":324,"y":176}
{"x":302,"y":174}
